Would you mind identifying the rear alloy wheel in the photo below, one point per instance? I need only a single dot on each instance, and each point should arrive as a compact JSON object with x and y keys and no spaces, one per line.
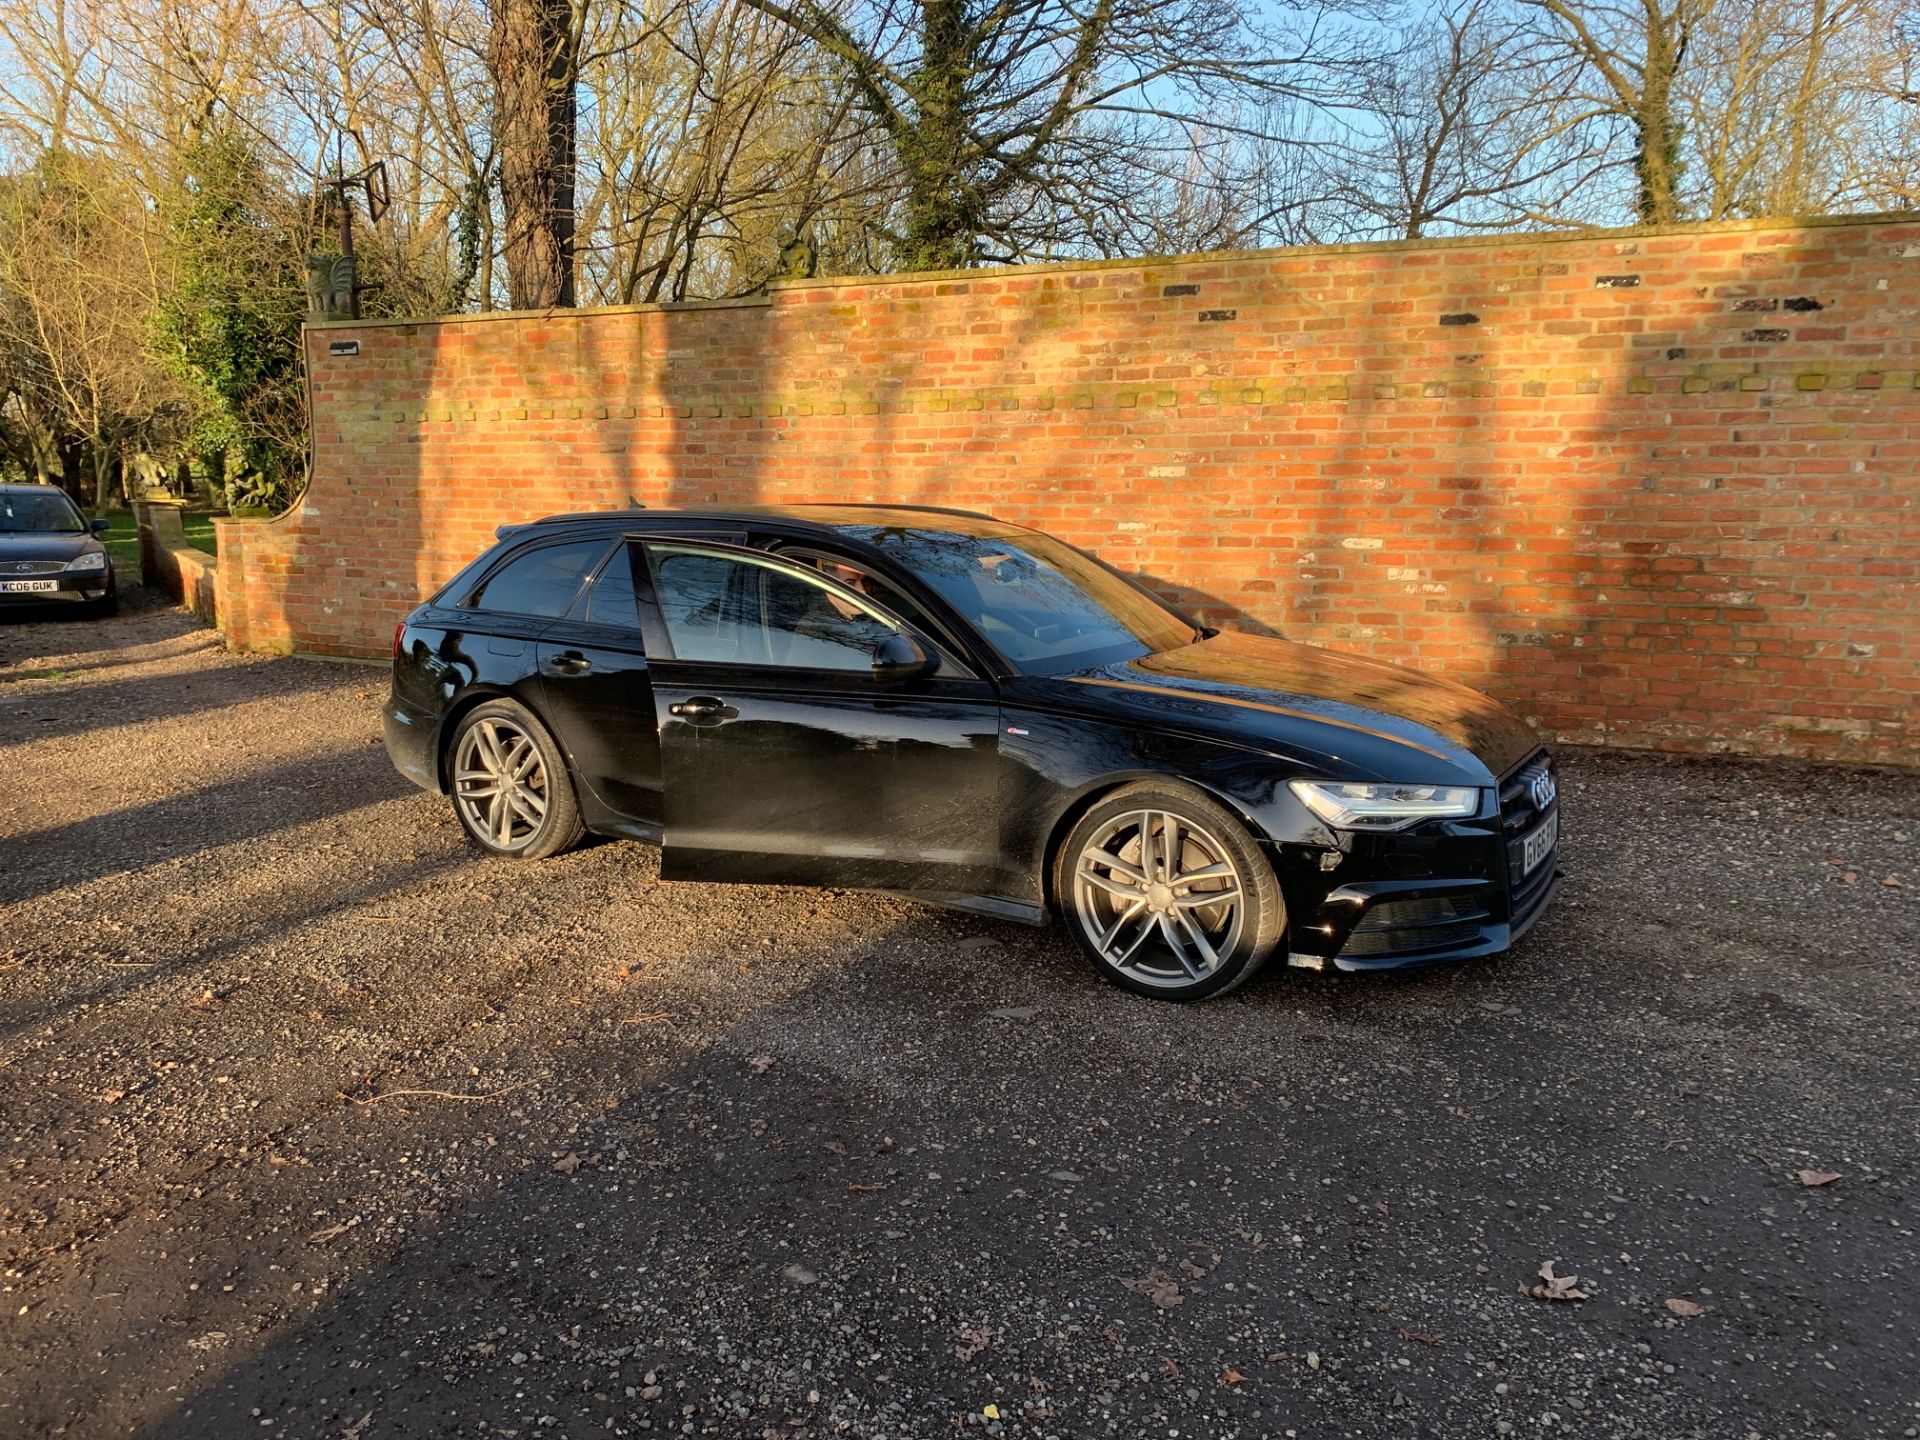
{"x":1168,"y":895}
{"x":510,"y":786}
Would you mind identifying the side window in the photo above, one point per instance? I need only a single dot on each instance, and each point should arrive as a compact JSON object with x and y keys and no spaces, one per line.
{"x":856,"y":577}
{"x":730,"y":610}
{"x":610,"y":599}
{"x":542,"y":582}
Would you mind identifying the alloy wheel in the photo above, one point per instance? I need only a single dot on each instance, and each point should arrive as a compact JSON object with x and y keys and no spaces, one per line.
{"x":500,"y":784}
{"x":1159,"y":898}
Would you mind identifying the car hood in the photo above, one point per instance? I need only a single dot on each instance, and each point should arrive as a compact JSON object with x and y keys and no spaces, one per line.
{"x":1364,"y":718}
{"x":43,"y":547}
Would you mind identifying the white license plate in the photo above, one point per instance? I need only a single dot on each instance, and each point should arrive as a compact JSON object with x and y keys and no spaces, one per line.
{"x":1537,"y":846}
{"x":15,"y":586}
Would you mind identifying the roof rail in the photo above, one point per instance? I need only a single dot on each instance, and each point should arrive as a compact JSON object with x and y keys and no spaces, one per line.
{"x":505,"y":530}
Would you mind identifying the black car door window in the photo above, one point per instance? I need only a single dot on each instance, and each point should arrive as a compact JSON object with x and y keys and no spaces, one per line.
{"x":728,"y":609}
{"x":540,"y":582}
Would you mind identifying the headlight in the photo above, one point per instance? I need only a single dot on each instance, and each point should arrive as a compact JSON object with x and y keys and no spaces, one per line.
{"x":1383,"y":807}
{"x":85,"y":564}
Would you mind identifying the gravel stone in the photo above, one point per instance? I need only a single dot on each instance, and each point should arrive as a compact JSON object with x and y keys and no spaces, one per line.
{"x":284,"y":1062}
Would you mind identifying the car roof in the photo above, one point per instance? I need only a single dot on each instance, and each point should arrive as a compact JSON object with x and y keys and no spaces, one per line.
{"x":825,"y":517}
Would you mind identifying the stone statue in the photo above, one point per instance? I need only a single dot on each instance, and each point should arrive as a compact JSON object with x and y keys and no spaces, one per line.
{"x":330,"y":286}
{"x":798,"y":259}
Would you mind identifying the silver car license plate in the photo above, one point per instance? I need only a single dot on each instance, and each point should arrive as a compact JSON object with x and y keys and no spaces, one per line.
{"x":1537,"y":846}
{"x":16,"y":586}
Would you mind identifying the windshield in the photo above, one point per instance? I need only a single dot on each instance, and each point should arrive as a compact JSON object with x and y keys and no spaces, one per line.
{"x":1041,"y":603}
{"x":48,"y":514}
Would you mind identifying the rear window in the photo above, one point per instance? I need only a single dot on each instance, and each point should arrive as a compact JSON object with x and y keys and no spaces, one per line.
{"x":541,"y":583}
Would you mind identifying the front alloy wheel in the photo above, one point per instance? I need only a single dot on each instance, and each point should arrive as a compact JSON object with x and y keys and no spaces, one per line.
{"x":1167,"y":894}
{"x":510,"y":786}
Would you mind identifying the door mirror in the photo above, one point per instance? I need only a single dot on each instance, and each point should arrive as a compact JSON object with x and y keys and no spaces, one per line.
{"x":901,"y":657}
{"x":100,"y":527}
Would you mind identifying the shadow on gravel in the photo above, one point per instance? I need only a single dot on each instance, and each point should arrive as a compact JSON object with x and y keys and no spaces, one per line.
{"x":114,"y":704}
{"x":63,"y":633}
{"x":274,"y":927}
{"x":34,"y":664}
{"x":880,"y":1203}
{"x":229,"y":811}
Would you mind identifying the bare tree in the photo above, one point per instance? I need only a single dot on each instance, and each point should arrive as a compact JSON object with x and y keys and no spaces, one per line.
{"x":1618,"y":62}
{"x":1456,"y":133}
{"x":76,"y":270}
{"x":1015,"y":124}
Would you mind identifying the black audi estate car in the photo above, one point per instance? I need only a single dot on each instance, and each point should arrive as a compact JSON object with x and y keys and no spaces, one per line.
{"x":939,"y":704}
{"x":51,"y":555}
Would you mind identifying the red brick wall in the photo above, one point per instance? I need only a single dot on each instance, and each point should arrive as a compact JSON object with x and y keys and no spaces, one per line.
{"x":1655,"y":489}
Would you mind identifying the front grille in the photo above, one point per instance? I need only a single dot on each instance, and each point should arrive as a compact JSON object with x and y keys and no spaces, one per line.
{"x":1400,"y":914}
{"x":1426,"y":937}
{"x":1520,"y":812}
{"x":1396,"y":926}
{"x":1518,"y":808}
{"x":31,"y":567}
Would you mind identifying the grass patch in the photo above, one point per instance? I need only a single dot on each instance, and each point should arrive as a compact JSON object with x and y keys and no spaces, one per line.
{"x":123,"y":539}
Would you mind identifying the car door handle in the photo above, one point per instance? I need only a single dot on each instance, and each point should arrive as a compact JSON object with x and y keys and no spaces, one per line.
{"x":703,"y":709}
{"x":570,"y":662}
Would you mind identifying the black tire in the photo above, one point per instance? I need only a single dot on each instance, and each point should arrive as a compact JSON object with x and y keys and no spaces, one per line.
{"x":1184,"y":949}
{"x":494,"y":730}
{"x":106,"y":607}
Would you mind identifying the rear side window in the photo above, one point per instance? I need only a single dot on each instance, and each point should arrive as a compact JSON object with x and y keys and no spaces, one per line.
{"x":611,"y":600}
{"x":540,"y":583}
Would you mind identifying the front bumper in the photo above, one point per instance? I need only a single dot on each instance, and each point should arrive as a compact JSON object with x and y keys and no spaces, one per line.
{"x":1440,"y":892}
{"x":85,"y":589}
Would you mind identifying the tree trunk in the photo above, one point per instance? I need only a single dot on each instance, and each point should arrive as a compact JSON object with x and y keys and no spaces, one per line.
{"x":1656,"y":159}
{"x":942,"y":227}
{"x":535,"y":64}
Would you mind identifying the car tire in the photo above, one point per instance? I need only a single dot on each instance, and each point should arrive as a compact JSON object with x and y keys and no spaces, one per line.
{"x":1141,"y":921}
{"x":106,"y":607}
{"x":509,"y":784}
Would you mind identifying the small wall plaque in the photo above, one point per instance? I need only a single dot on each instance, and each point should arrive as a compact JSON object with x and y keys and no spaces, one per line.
{"x":343,"y":347}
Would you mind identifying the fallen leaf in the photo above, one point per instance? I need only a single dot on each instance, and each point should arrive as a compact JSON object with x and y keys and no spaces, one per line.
{"x":1894,"y":880}
{"x":865,"y":1189}
{"x":991,"y":1412}
{"x":112,"y":1097}
{"x":1157,"y":1286}
{"x":1173,"y":1365}
{"x":835,"y":1147}
{"x":972,"y":1342}
{"x":1686,"y":1309}
{"x":760,"y":1064}
{"x":567,"y":1164}
{"x":1556,"y":1287}
{"x":1850,"y":878}
{"x":1813,"y":1179}
{"x":1415,"y":1335}
{"x":1231,"y":1376}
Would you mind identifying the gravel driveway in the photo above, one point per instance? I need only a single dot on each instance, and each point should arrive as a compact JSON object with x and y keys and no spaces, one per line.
{"x":317,"y":1124}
